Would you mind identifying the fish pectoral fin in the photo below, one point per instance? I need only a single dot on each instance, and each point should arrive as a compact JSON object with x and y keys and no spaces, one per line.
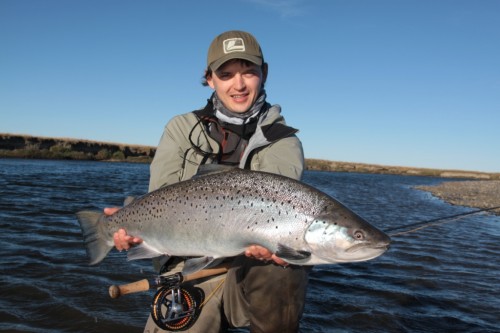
{"x":197,"y":264}
{"x":143,"y":251}
{"x":289,"y":254}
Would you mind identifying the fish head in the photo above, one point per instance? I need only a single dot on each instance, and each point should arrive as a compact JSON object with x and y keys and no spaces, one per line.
{"x":340,"y":235}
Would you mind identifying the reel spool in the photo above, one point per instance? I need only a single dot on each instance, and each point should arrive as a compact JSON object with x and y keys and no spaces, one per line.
{"x":176,"y":308}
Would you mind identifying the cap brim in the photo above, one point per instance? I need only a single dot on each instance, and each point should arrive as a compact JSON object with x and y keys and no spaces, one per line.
{"x":219,"y":62}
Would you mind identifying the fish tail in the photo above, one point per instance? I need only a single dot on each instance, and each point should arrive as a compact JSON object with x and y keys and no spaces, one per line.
{"x":97,"y":244}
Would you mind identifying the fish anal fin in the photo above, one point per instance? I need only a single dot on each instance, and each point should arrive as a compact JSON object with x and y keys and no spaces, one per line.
{"x":143,"y":251}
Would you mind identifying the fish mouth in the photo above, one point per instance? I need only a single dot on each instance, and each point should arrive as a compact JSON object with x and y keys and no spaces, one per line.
{"x":363,"y":252}
{"x":367,"y":246}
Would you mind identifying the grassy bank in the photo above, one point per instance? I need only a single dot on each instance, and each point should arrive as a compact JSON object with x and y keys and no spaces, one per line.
{"x":325,"y":165}
{"x":26,"y":146}
{"x":35,"y":147}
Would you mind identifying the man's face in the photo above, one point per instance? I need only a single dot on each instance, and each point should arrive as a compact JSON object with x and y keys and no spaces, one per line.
{"x":237,"y":85}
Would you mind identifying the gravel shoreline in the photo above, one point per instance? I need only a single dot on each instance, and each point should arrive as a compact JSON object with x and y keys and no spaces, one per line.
{"x":471,"y":193}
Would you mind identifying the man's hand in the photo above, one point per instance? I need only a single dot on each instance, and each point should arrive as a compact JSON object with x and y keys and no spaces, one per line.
{"x":121,"y":239}
{"x":261,"y":253}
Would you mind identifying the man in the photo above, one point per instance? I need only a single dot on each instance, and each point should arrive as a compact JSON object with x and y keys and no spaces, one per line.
{"x":236,"y":127}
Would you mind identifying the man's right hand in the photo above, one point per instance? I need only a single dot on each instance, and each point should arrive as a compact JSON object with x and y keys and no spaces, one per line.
{"x":122,"y":240}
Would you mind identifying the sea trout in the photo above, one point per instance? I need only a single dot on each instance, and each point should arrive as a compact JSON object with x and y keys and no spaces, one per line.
{"x":218,"y":215}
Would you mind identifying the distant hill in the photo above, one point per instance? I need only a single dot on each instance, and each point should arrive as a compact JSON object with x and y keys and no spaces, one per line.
{"x":26,"y":146}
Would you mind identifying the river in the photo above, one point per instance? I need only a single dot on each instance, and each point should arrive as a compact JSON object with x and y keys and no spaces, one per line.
{"x":443,"y":278}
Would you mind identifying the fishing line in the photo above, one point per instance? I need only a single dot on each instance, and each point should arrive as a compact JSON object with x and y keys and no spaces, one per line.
{"x":438,"y":221}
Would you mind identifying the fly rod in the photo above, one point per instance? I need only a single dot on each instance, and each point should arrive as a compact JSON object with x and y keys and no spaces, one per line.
{"x":441,"y":220}
{"x":164,"y":280}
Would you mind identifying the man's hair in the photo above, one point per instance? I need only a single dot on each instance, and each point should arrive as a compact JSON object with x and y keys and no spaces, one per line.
{"x":243,"y":62}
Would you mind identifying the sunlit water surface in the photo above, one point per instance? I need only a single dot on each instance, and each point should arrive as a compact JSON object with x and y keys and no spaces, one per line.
{"x":440,"y":279}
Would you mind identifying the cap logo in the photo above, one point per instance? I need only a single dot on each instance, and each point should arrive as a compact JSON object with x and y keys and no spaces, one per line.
{"x":233,"y":45}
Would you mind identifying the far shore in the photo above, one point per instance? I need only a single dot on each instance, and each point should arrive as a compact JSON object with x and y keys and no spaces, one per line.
{"x":26,"y":146}
{"x":471,"y":193}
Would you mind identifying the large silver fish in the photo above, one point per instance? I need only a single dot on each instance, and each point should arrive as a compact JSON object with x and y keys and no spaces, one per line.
{"x":218,"y":215}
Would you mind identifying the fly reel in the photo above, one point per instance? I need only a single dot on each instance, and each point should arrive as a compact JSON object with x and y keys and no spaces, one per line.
{"x":176,"y":308}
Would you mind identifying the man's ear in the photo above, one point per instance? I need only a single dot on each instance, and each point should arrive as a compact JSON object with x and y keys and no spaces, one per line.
{"x":265,"y":70}
{"x":208,"y":78}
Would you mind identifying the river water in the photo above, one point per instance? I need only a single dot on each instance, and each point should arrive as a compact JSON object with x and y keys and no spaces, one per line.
{"x":443,"y":278}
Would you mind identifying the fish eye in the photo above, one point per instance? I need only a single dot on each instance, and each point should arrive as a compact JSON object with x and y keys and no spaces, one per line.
{"x":358,"y":235}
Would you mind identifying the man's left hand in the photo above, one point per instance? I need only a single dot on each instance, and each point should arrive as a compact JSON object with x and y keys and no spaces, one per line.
{"x":261,"y":253}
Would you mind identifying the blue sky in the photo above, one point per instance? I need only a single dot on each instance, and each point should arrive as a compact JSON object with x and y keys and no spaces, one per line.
{"x":393,"y":82}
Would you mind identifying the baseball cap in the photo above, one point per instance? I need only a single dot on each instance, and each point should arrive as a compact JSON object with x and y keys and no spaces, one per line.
{"x":234,"y":44}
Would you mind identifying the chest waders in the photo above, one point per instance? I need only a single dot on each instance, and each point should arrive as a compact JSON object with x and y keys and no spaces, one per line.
{"x":175,"y":306}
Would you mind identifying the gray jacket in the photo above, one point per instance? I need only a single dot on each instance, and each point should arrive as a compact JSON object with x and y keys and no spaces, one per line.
{"x":272,"y":148}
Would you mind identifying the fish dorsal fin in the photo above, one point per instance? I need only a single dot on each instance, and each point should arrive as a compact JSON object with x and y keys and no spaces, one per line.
{"x":211,"y":169}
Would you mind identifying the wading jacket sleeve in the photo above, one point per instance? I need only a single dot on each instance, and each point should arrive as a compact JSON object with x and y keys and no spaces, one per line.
{"x":273,"y":148}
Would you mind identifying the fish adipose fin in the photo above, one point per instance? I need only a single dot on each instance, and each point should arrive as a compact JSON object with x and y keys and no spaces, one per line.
{"x":96,"y":243}
{"x":197,"y":264}
{"x":128,"y":200}
{"x":143,"y":251}
{"x":289,"y":254}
